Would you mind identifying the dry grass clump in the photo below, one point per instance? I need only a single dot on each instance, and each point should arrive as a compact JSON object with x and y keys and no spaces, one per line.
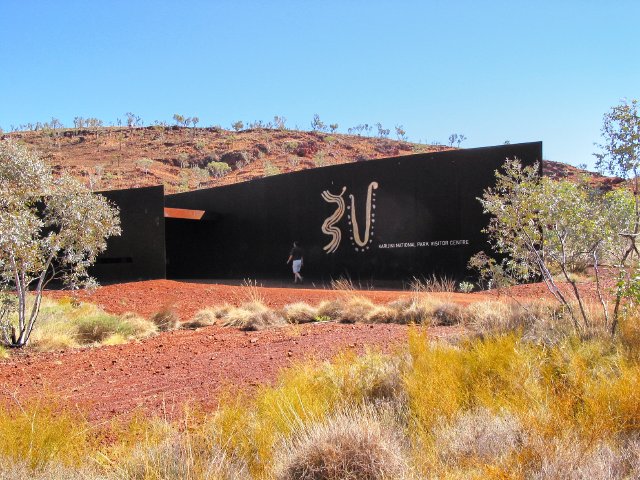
{"x":478,"y":434}
{"x":300,"y":312}
{"x":426,"y":310}
{"x":356,"y":309}
{"x":331,"y":309}
{"x":96,"y":329}
{"x":382,"y":314}
{"x":412,"y":310}
{"x":252,"y":316}
{"x":539,"y":321}
{"x":251,"y":292}
{"x":492,"y":317}
{"x":138,"y":326}
{"x":12,"y":470}
{"x":68,"y":324}
{"x":344,"y":284}
{"x":432,"y":284}
{"x":165,"y":319}
{"x":204,"y":318}
{"x":448,"y":314}
{"x":370,"y":378}
{"x":570,"y":459}
{"x":351,"y":445}
{"x":180,"y":457}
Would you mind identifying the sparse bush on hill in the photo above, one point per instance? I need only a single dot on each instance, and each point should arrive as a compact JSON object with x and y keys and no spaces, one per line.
{"x":144,"y":164}
{"x":270,"y":169}
{"x":199,"y":175}
{"x":317,"y":125}
{"x":218,"y":169}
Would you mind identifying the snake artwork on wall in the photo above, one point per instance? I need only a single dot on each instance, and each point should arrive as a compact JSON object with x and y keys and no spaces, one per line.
{"x":360,"y":243}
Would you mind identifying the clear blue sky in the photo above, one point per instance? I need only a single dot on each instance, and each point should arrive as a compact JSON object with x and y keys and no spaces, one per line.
{"x":516,"y":70}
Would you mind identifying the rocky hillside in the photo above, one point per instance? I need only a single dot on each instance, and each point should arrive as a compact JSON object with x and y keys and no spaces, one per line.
{"x":187,"y":158}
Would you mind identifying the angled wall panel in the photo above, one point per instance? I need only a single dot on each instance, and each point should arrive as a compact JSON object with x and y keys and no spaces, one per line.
{"x":383,"y":219}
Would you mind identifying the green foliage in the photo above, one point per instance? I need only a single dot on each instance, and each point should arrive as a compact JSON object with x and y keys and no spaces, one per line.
{"x":144,"y":164}
{"x":218,"y":169}
{"x":199,"y":175}
{"x":291,"y":146}
{"x":237,"y":126}
{"x":66,"y":323}
{"x":319,"y":159}
{"x":620,"y":154}
{"x":542,"y":226}
{"x":456,"y":138}
{"x":382,"y":132}
{"x":270,"y":169}
{"x":45,"y":221}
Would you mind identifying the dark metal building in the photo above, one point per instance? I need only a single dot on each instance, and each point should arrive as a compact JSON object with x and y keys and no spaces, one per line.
{"x":387,"y":219}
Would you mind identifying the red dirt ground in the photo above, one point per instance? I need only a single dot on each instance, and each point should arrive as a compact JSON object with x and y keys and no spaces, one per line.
{"x":160,"y":374}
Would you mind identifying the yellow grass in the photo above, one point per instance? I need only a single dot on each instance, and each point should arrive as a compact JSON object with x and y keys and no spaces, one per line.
{"x":497,"y":407}
{"x":66,"y":324}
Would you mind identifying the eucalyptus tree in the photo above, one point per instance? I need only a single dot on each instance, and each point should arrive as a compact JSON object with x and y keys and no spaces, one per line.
{"x":543,"y":228}
{"x":620,"y":155}
{"x":50,"y":229}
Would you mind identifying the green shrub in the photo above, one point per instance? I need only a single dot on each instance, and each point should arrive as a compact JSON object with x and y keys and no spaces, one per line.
{"x":218,"y":169}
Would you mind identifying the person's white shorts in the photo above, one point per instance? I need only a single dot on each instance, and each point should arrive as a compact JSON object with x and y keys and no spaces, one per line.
{"x":297,"y":265}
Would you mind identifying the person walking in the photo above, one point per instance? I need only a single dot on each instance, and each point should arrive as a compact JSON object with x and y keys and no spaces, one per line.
{"x":296,"y":255}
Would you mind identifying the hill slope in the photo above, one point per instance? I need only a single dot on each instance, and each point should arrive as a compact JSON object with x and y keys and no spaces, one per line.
{"x":120,"y":157}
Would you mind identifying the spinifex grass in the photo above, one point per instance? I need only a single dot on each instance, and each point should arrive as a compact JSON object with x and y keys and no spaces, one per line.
{"x":66,"y":323}
{"x":492,"y":407}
